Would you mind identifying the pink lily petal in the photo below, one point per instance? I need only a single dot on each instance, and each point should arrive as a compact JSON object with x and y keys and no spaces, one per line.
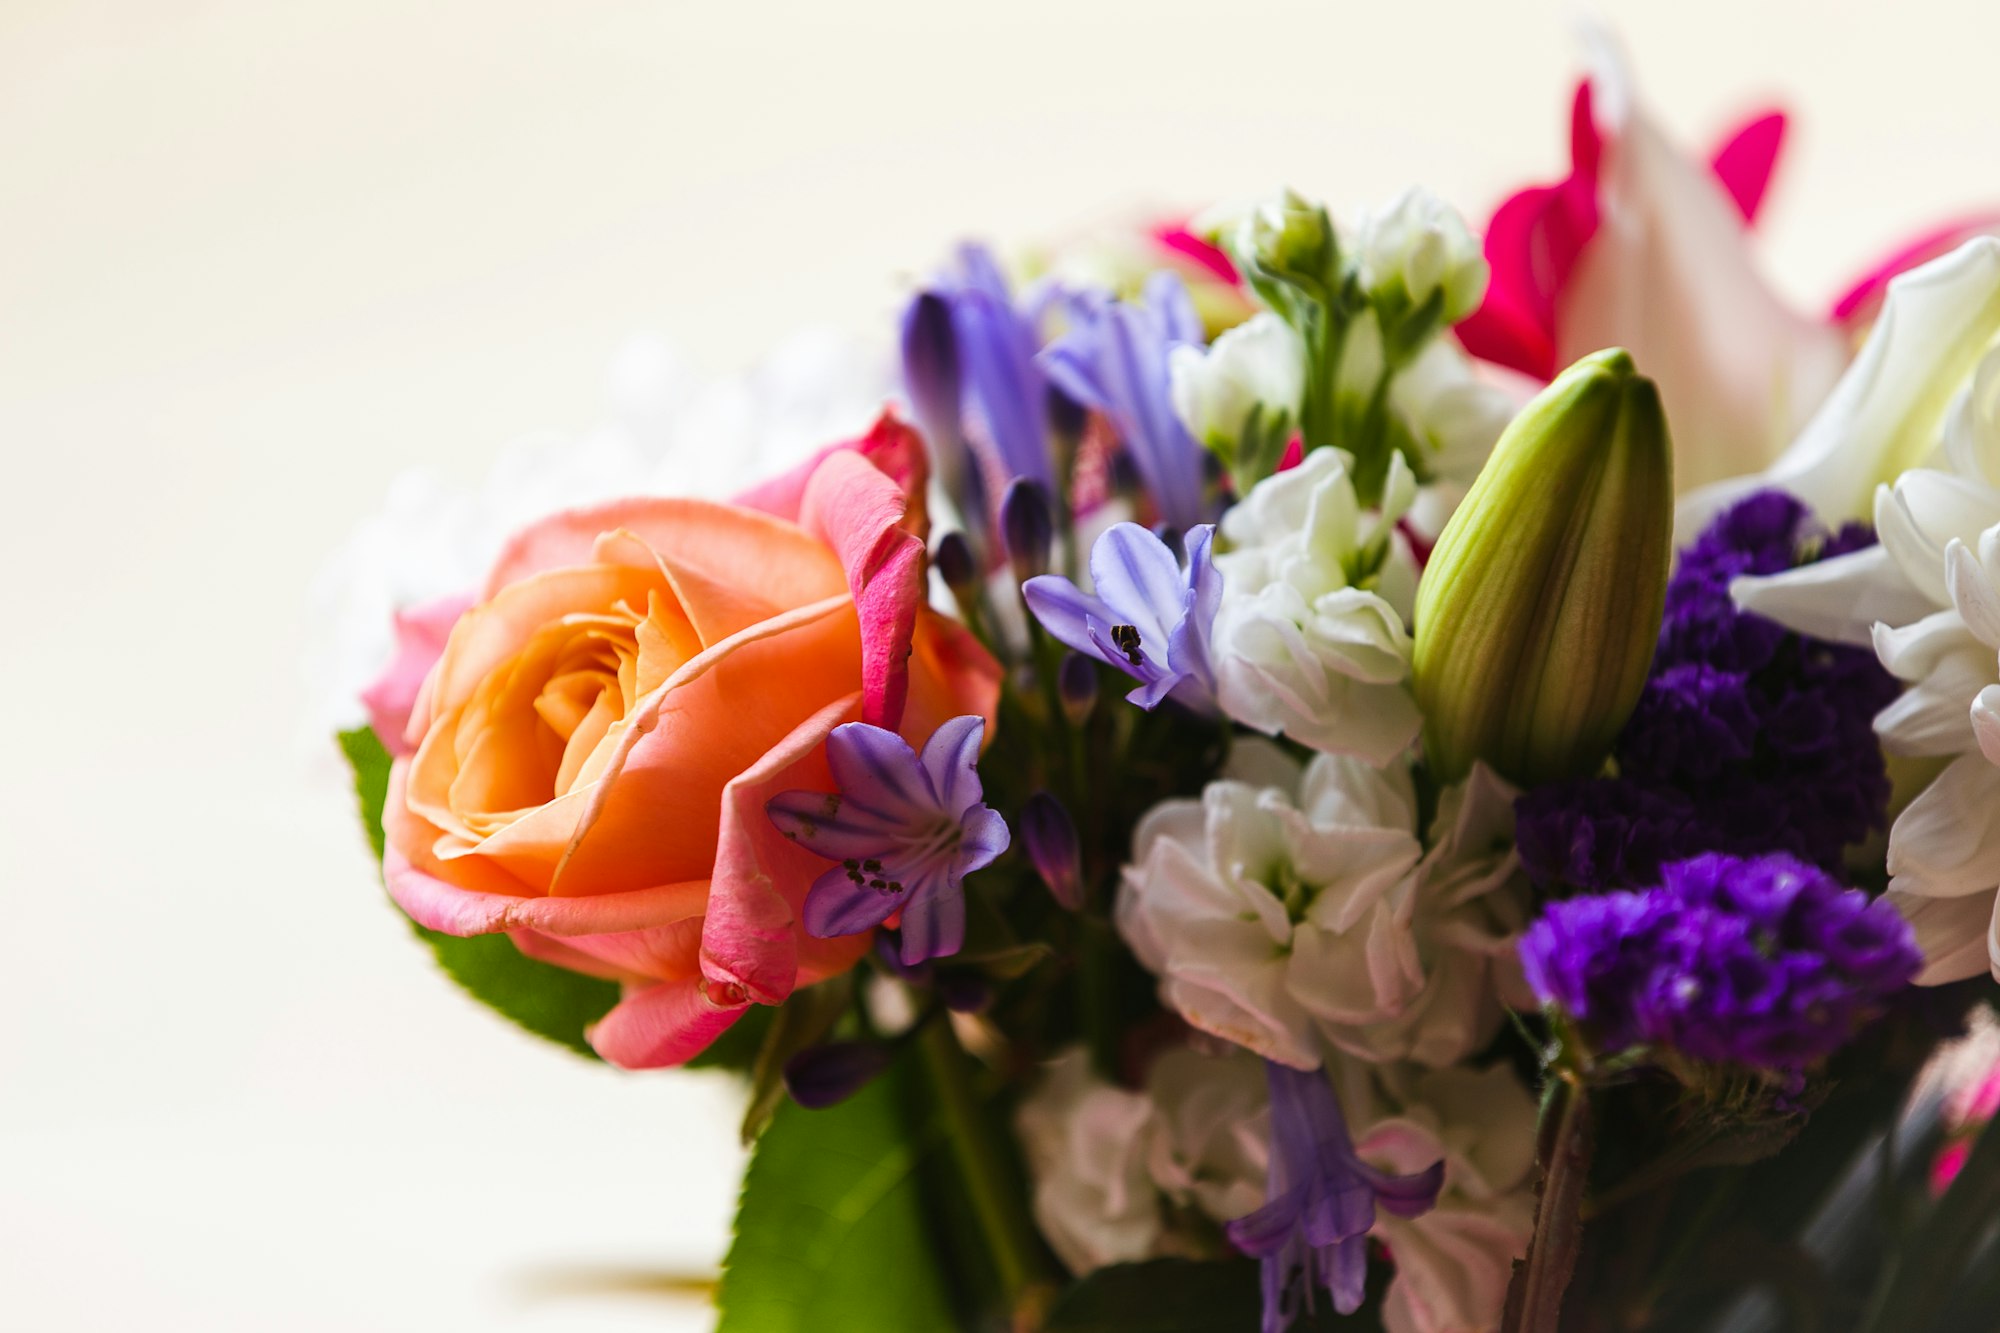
{"x":1746,"y":160}
{"x":1175,"y":238}
{"x":1532,"y":246}
{"x":421,"y":634}
{"x":1859,"y":305}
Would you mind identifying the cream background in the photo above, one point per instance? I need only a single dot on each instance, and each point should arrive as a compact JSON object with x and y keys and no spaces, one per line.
{"x":257,"y":258}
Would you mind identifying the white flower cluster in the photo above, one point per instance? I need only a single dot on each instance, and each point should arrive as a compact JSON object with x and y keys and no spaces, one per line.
{"x":1119,"y":1174}
{"x":1293,"y":911}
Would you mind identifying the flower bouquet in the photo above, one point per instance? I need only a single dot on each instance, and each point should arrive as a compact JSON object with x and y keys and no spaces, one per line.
{"x":1299,"y":775}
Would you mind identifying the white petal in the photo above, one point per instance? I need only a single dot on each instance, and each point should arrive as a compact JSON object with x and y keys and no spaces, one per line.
{"x":1953,"y":933}
{"x":1972,"y":591}
{"x":1840,"y":599}
{"x":1888,"y":410}
{"x":1986,"y":722}
{"x":1947,"y":843}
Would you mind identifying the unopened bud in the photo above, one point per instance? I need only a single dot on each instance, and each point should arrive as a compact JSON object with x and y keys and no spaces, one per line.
{"x":1027,"y":527}
{"x":1049,"y":836}
{"x":1076,"y":686}
{"x":823,"y":1076}
{"x":1539,"y":608}
{"x":955,"y":562}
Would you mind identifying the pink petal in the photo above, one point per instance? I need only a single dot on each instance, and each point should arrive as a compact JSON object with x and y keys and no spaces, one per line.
{"x":1859,"y":305}
{"x":665,"y":1024}
{"x":749,"y":942}
{"x":435,"y":904}
{"x":1532,"y":246}
{"x":1175,"y":238}
{"x":421,"y":633}
{"x":1746,"y":160}
{"x":890,"y":445}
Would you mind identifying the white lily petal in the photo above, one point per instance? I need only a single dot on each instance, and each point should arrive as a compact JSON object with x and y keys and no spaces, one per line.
{"x":1886,"y":413}
{"x":1839,"y":599}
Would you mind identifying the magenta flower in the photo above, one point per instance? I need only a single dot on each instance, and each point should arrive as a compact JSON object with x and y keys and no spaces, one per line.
{"x":1322,"y":1201}
{"x":905,"y":829}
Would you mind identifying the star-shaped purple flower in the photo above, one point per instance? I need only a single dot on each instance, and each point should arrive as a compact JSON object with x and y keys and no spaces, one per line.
{"x":1322,"y":1202}
{"x":905,"y":829}
{"x":1150,"y":618}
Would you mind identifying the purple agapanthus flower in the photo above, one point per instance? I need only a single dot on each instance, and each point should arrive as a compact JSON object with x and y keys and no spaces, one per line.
{"x":1150,"y":617}
{"x":967,"y":342}
{"x":1765,"y":962}
{"x":906,"y":830}
{"x":1313,"y":1230}
{"x":1114,"y":358}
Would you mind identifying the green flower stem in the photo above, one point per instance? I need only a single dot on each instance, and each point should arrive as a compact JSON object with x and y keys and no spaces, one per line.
{"x":997,"y":1200}
{"x":1534,"y":1300}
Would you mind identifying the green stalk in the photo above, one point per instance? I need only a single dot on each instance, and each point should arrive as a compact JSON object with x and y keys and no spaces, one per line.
{"x":1919,"y":1279}
{"x":1534,"y":1299}
{"x":989,"y":1183}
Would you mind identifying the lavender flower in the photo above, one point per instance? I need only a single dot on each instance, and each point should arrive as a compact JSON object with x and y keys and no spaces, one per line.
{"x":1764,"y":962}
{"x":1321,"y":1203}
{"x":1747,"y":739}
{"x":906,"y":831}
{"x":1114,"y":358}
{"x":1049,"y":835}
{"x":1150,"y":618}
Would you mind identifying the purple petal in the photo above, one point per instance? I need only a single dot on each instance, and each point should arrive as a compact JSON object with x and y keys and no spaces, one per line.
{"x":822,"y":1076}
{"x":1066,"y":611}
{"x":1344,"y":1271}
{"x":1263,"y":1231}
{"x":878,"y":769}
{"x":986,"y":836}
{"x":1405,"y":1196}
{"x":829,"y":825}
{"x":1139,"y":579}
{"x":933,"y":924}
{"x":997,"y":350}
{"x":1167,"y":297}
{"x":1187,"y":646}
{"x":951,"y":760}
{"x":837,"y":905}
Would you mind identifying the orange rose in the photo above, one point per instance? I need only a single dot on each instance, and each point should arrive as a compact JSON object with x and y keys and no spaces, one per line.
{"x":591,"y":755}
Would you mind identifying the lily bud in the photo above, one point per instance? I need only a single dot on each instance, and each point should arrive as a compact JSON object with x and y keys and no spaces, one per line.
{"x":1028,"y":528}
{"x":1539,"y":608}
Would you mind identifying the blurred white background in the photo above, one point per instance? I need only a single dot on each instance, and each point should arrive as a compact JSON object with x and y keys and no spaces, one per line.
{"x":256,"y":259}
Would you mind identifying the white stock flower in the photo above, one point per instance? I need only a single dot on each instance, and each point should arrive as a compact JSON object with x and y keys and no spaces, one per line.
{"x":1453,"y":1263}
{"x":1261,"y":363}
{"x":1310,"y":640}
{"x":1087,"y":1144}
{"x":1419,"y":246}
{"x":1928,"y":598}
{"x":1107,"y":1161}
{"x":1286,"y":916}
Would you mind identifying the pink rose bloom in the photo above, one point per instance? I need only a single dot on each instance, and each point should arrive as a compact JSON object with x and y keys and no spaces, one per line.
{"x":587,"y":764}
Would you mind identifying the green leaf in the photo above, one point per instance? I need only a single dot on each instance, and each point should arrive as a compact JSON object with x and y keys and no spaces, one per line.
{"x":1184,"y":1296}
{"x":548,"y":1001}
{"x":830,"y":1231}
{"x":370,"y":762}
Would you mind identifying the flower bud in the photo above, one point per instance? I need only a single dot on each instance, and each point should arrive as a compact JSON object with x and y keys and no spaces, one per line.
{"x":1289,"y":238}
{"x":955,"y":562}
{"x":1539,"y":608}
{"x":930,"y":369}
{"x":1076,"y":686}
{"x":1417,"y":254}
{"x":823,"y":1076}
{"x":1049,"y":836}
{"x":1028,"y":528}
{"x":1260,"y":365}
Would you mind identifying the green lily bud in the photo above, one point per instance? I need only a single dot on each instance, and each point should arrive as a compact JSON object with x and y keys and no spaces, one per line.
{"x":1539,"y":608}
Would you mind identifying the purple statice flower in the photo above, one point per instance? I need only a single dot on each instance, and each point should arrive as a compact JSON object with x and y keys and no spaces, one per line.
{"x":1746,"y":739}
{"x":1313,"y":1229}
{"x":1150,"y":617}
{"x":1114,"y":358}
{"x":1765,"y":962}
{"x":905,"y":829}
